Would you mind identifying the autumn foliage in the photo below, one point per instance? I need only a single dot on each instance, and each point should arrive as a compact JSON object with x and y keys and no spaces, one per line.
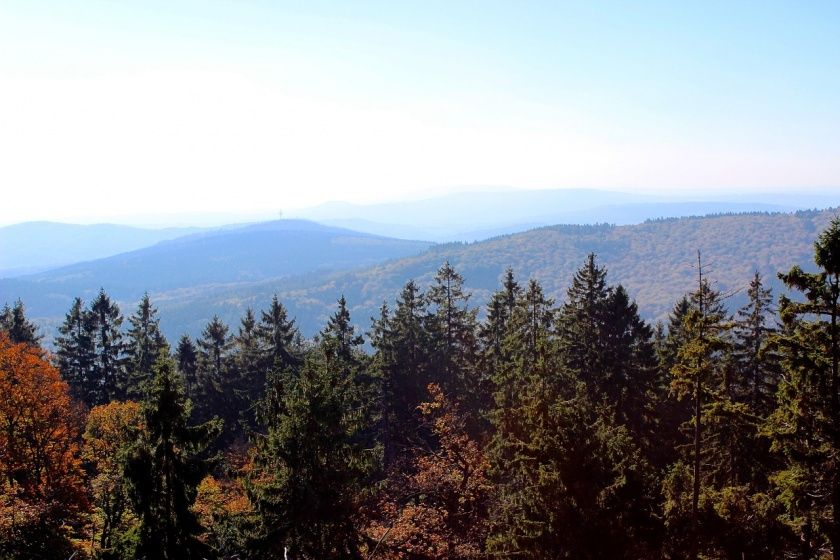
{"x":436,"y":504}
{"x":43,"y":494}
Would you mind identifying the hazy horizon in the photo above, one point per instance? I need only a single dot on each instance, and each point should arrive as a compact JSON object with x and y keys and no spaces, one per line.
{"x":118,"y":109}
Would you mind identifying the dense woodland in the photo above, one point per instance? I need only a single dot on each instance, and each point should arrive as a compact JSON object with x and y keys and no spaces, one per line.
{"x":544,"y":430}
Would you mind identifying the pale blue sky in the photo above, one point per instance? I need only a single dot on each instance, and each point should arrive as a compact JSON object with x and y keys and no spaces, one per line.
{"x":108,"y":108}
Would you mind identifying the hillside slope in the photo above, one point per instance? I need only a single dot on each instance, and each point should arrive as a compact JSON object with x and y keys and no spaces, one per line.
{"x":196,"y":263}
{"x":654,"y":260}
{"x":33,"y":246}
{"x":196,"y":277}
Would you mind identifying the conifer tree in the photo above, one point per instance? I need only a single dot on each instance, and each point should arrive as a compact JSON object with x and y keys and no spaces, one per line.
{"x":18,"y":328}
{"x":710,"y":507}
{"x":493,"y":330}
{"x":214,"y":357}
{"x":339,"y":337}
{"x":452,"y":326}
{"x":568,"y":476}
{"x":186,"y":356}
{"x":108,"y":371}
{"x":249,"y":377}
{"x":279,"y":338}
{"x":805,"y":427}
{"x":165,"y":467}
{"x":307,"y":469}
{"x":143,"y":343}
{"x":756,"y":359}
{"x":75,"y":353}
{"x":403,"y":359}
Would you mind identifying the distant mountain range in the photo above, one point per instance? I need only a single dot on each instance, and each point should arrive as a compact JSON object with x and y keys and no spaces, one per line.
{"x":309,"y":266}
{"x":200,"y":262}
{"x":36,"y":246}
{"x":473,"y":216}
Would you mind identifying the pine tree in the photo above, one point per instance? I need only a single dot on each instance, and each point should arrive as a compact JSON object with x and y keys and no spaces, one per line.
{"x":214,"y":357}
{"x":710,"y":506}
{"x":75,"y":353}
{"x":166,"y":466}
{"x":402,"y":355}
{"x":279,"y":337}
{"x":249,"y":379}
{"x":757,"y":361}
{"x":493,"y":330}
{"x":530,"y":356}
{"x":18,"y":328}
{"x":339,"y":338}
{"x":108,"y":372}
{"x":805,"y":428}
{"x":307,"y":469}
{"x":452,"y":325}
{"x":605,"y":343}
{"x":569,"y":478}
{"x":143,"y":343}
{"x":186,"y":356}
{"x":579,"y":325}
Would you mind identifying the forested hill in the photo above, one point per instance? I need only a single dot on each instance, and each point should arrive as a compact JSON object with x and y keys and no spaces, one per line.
{"x":181,"y":269}
{"x":654,"y":260}
{"x":196,"y":277}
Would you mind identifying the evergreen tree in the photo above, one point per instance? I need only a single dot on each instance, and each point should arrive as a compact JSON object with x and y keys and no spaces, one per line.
{"x":805,"y":427}
{"x":711,"y":506}
{"x":403,"y":360}
{"x":757,"y":361}
{"x":279,"y":337}
{"x":493,"y":329}
{"x":214,"y":357}
{"x":339,"y":338}
{"x":605,"y":343}
{"x":18,"y":328}
{"x":75,"y":353}
{"x":143,"y":343}
{"x":165,"y":467}
{"x":108,"y":371}
{"x":568,"y":476}
{"x":581,"y":318}
{"x":452,"y":326}
{"x":307,"y":469}
{"x":186,"y":356}
{"x":249,"y":377}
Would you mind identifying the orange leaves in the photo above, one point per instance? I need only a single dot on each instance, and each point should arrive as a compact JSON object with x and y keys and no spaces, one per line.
{"x":40,"y":470}
{"x":436,"y":503}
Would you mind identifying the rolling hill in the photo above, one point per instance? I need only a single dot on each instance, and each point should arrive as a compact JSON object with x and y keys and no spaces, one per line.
{"x":193,"y":278}
{"x":200,"y":262}
{"x":36,"y":246}
{"x":476,"y":215}
{"x":654,"y":260}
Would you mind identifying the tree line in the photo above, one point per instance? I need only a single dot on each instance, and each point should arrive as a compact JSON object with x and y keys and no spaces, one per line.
{"x":540,"y":430}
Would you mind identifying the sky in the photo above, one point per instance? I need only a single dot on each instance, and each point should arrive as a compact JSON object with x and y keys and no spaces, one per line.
{"x":116,"y":109}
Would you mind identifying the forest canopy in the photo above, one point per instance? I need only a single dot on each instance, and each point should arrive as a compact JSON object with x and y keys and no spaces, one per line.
{"x":528,"y":428}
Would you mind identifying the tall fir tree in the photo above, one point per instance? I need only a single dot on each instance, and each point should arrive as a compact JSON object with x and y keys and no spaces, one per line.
{"x":493,"y":329}
{"x":17,"y":326}
{"x":755,"y":356}
{"x":186,"y":357}
{"x":805,"y":427}
{"x":143,"y":343}
{"x":108,"y":371}
{"x":307,"y":469}
{"x":279,"y":337}
{"x":214,"y":371}
{"x":402,"y":354}
{"x":75,"y":353}
{"x":452,"y":326}
{"x":248,"y":377}
{"x":165,"y":467}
